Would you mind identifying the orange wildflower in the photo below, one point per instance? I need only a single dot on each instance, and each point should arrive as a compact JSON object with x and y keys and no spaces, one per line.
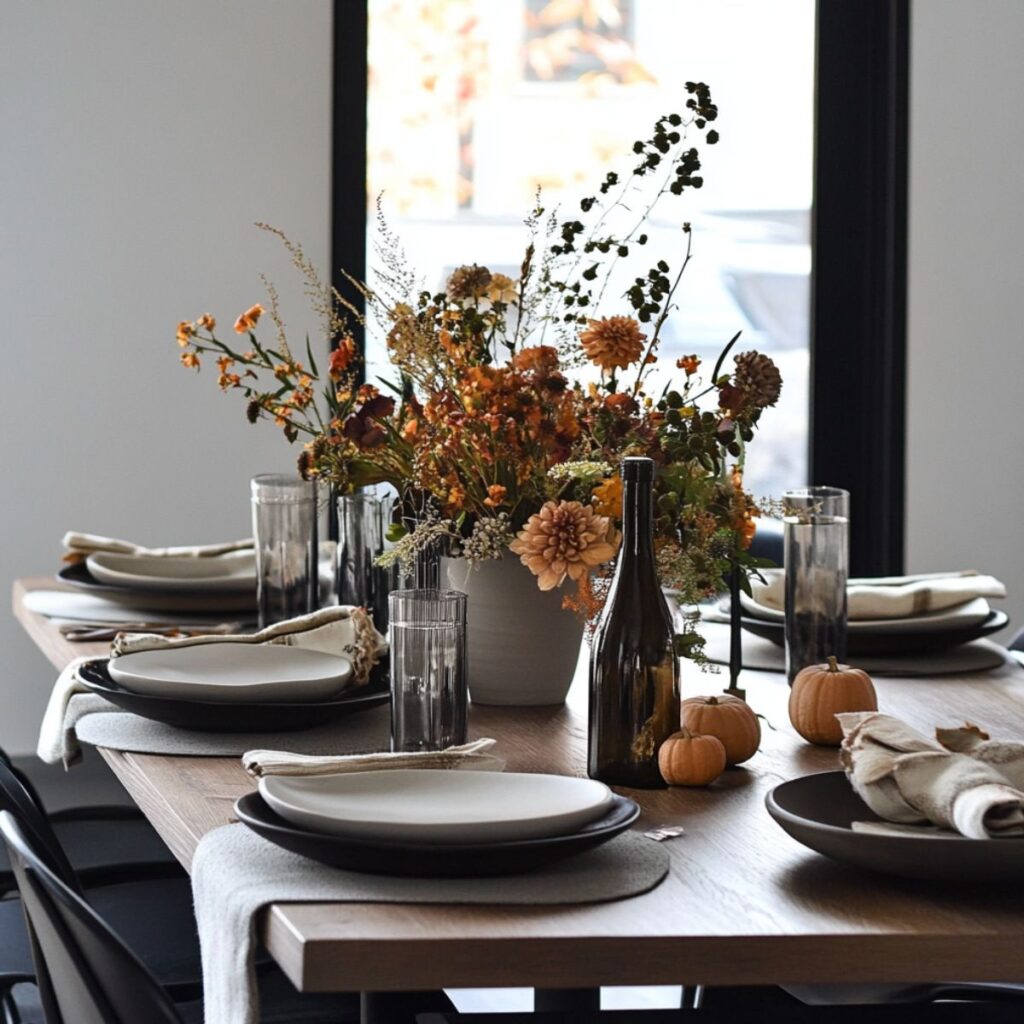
{"x":410,"y":429}
{"x":745,"y":511}
{"x":495,"y":495}
{"x":607,"y":497}
{"x":247,"y":321}
{"x":612,"y":342}
{"x":621,"y":403}
{"x":207,"y":322}
{"x":688,"y":364}
{"x":456,"y":495}
{"x":541,"y":359}
{"x":342,"y":356}
{"x":186,"y":331}
{"x":190,"y":359}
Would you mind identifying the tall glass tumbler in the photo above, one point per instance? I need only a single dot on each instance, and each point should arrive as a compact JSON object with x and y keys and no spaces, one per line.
{"x":428,"y":669}
{"x":817,"y":557}
{"x":284,"y":524}
{"x":360,"y":541}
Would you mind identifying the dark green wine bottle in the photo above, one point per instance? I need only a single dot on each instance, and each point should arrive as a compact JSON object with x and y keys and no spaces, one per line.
{"x":634,"y":678}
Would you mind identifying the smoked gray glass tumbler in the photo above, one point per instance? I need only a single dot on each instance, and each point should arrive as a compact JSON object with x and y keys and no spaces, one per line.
{"x":360,"y":542}
{"x":284,"y":524}
{"x":817,"y":557}
{"x":427,"y":631}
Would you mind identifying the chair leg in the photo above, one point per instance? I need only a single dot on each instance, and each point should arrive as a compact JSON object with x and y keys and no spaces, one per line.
{"x":692,"y":997}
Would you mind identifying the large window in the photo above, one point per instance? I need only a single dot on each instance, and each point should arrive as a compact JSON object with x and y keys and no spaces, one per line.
{"x":474,"y":103}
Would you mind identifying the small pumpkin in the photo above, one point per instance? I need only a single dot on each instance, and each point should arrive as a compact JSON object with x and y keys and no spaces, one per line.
{"x":728,"y":718}
{"x":820,"y":692}
{"x":687,"y":759}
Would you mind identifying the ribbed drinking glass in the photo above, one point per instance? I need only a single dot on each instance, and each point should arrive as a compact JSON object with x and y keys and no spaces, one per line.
{"x":284,"y":524}
{"x":427,"y":632}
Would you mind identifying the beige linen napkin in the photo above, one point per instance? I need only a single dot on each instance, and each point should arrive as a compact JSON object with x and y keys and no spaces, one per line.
{"x":908,"y":779}
{"x":343,"y":630}
{"x":892,"y":597}
{"x":464,"y":757}
{"x":56,"y":743}
{"x":78,"y":546}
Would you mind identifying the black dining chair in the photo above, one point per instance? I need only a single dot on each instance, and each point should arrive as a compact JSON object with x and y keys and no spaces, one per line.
{"x":86,"y":974}
{"x":104,"y":843}
{"x":149,"y":904}
{"x":153,"y":916}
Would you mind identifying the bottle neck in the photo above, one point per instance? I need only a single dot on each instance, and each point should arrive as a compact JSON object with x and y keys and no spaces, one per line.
{"x":637,"y":523}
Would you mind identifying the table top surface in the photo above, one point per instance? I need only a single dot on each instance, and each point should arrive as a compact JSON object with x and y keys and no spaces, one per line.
{"x":743,"y":904}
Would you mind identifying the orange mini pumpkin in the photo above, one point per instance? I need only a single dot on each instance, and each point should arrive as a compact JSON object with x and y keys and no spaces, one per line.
{"x":820,"y":692}
{"x":728,"y":718}
{"x":686,"y":759}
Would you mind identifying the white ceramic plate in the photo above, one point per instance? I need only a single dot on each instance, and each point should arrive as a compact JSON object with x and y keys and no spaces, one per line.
{"x":971,"y":613}
{"x":427,"y":805}
{"x":233,"y":672}
{"x":234,"y":573}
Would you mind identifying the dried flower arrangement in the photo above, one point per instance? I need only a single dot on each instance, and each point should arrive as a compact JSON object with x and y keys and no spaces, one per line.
{"x":489,"y":440}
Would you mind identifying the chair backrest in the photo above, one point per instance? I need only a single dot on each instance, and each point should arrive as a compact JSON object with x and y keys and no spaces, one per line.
{"x":85,"y":973}
{"x":19,"y":801}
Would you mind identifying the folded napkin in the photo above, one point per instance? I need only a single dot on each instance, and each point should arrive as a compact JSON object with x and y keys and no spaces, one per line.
{"x":909,"y":779}
{"x":892,"y":597}
{"x":78,"y":546}
{"x":344,"y":630}
{"x":465,"y":757}
{"x":57,"y":743}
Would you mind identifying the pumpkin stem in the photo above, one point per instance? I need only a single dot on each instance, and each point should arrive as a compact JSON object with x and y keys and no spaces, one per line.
{"x":833,"y":665}
{"x":711,"y":700}
{"x":685,"y":733}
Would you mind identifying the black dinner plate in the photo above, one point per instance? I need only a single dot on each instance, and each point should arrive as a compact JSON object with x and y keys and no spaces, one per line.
{"x":862,"y":642}
{"x":433,"y":860}
{"x":818,"y":810}
{"x":236,"y":716}
{"x":199,"y":600}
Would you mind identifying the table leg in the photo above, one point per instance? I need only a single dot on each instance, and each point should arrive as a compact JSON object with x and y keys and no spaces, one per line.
{"x":400,"y":1007}
{"x":566,"y":1000}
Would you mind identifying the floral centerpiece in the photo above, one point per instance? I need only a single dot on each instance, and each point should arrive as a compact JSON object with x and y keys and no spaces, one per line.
{"x":515,"y":400}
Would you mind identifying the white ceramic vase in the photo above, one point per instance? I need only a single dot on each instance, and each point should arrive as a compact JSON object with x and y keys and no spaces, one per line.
{"x":523,"y":646}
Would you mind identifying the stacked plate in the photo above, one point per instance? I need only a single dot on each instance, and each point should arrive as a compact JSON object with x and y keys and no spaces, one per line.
{"x":167,"y":583}
{"x":925,"y":631}
{"x":433,"y":823}
{"x":232,"y":687}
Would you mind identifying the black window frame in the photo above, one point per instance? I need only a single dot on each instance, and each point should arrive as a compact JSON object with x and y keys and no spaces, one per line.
{"x":859,"y":250}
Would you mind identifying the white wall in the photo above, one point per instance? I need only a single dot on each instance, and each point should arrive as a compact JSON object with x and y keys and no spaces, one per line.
{"x":138,"y":143}
{"x":966,"y":291}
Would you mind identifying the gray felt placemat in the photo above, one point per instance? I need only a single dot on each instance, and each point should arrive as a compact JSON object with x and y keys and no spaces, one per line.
{"x":121,"y":730}
{"x":760,"y":654}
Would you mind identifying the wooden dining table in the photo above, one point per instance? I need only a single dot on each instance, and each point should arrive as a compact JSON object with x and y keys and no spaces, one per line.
{"x":744,"y":904}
